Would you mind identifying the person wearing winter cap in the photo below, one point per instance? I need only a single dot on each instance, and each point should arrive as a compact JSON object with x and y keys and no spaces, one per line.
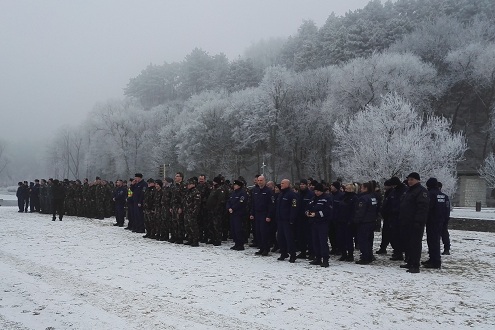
{"x":318,"y":213}
{"x":413,"y":215}
{"x":192,"y":206}
{"x":303,"y":227}
{"x":177,"y":192}
{"x":445,"y":227}
{"x":434,"y":224}
{"x":237,"y":209}
{"x":216,"y":205}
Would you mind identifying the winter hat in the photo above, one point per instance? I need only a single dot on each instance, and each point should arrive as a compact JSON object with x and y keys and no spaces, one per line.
{"x":336,"y":184}
{"x":414,"y":175}
{"x":320,"y":187}
{"x":239,"y":183}
{"x":432,"y":183}
{"x":217,"y":180}
{"x":394,"y":181}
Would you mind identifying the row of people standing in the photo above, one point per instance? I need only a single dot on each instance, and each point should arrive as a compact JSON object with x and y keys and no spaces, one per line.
{"x":290,"y":219}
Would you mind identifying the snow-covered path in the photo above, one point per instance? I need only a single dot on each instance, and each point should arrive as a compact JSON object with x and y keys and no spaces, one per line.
{"x":87,"y":274}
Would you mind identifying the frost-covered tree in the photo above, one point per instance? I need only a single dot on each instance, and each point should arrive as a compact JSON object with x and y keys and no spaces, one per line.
{"x":363,"y":81}
{"x":487,"y":170}
{"x":393,"y":139}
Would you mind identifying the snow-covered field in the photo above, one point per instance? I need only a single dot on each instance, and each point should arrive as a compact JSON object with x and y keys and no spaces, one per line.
{"x":88,"y":274}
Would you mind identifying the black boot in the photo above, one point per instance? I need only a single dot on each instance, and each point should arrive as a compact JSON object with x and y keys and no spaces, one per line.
{"x":282,"y":257}
{"x":325,"y":263}
{"x":292,"y":258}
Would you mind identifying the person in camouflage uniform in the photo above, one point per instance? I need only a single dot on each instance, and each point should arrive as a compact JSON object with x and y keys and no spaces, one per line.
{"x":166,"y":216}
{"x":149,"y":210}
{"x":177,"y":208}
{"x":157,"y":210}
{"x":225,"y":216}
{"x":216,"y":207}
{"x":99,"y":198}
{"x":204,"y":189}
{"x":78,"y":198}
{"x":108,"y":201}
{"x":192,"y":207}
{"x":86,"y":198}
{"x":49,"y":196}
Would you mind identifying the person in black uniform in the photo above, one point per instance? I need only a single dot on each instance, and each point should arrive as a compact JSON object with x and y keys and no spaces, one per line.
{"x":138,"y":203}
{"x":434,"y":224}
{"x":413,"y":215}
{"x":58,"y":197}
{"x":120,"y":198}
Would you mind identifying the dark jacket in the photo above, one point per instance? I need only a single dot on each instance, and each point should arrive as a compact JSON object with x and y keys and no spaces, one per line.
{"x":336,"y":199}
{"x":237,"y":202}
{"x":58,"y":191}
{"x":286,"y":206}
{"x":348,"y":206}
{"x":414,"y":206}
{"x":262,"y":201}
{"x":120,"y":195}
{"x":321,"y":206}
{"x":367,"y":208}
{"x":437,"y":206}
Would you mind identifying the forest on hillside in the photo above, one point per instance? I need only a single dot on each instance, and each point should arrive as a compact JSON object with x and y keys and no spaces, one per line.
{"x":276,"y":107}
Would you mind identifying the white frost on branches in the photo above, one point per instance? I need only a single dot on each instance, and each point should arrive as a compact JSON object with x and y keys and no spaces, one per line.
{"x":393,"y":139}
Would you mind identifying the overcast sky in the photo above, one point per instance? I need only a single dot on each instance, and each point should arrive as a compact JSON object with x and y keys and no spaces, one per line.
{"x":58,"y":57}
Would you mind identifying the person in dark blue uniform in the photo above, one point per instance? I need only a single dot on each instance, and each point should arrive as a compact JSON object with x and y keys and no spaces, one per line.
{"x":237,"y":208}
{"x":413,"y":215}
{"x":344,"y":222}
{"x":303,"y":228}
{"x":261,"y":213}
{"x":286,"y":212}
{"x":138,"y":203}
{"x":319,"y":213}
{"x":365,"y":217}
{"x":434,"y":224}
{"x":120,"y":198}
{"x":20,"y":196}
{"x":391,"y":209}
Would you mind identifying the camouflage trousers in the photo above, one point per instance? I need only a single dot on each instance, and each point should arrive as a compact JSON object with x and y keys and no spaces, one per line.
{"x":162,"y":224}
{"x":215,"y":226}
{"x":149,"y":223}
{"x":177,"y":226}
{"x":191,"y":228}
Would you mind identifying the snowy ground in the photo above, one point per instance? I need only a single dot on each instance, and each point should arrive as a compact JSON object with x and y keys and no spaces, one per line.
{"x":87,"y":274}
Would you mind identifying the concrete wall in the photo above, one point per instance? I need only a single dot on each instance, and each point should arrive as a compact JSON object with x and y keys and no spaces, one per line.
{"x":472,"y":189}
